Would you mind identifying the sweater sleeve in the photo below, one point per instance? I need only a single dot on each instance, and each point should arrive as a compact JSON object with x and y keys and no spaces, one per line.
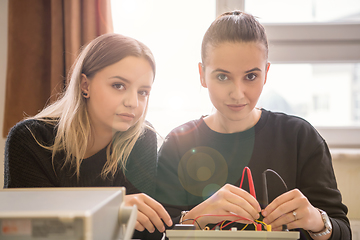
{"x":27,"y":164}
{"x":323,"y":193}
{"x":141,"y":165}
{"x":316,"y":180}
{"x":169,"y":190}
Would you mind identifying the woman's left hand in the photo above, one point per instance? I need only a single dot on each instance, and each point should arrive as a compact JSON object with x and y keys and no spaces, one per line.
{"x":293,"y":209}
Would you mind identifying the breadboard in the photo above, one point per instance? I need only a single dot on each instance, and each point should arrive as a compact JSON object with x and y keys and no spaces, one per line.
{"x":230,"y":235}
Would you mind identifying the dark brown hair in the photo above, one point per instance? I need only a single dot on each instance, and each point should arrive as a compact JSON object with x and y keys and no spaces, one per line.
{"x":235,"y":26}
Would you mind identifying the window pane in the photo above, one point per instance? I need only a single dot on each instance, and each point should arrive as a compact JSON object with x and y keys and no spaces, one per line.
{"x":323,"y":94}
{"x":173,"y":30}
{"x":284,"y":11}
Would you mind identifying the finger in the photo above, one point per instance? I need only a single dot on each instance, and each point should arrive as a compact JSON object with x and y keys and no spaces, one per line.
{"x":152,"y":216}
{"x":139,"y":226}
{"x":212,"y":210}
{"x":160,"y":211}
{"x":294,"y":201}
{"x":247,"y":196}
{"x":288,"y":219}
{"x":145,"y":222}
{"x":277,"y":215}
{"x":142,"y":221}
{"x":280,"y":200}
{"x":240,"y":206}
{"x":294,"y":221}
{"x":145,"y":205}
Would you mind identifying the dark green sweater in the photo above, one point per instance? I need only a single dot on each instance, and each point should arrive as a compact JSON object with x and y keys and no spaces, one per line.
{"x":29,"y":165}
{"x":195,"y":161}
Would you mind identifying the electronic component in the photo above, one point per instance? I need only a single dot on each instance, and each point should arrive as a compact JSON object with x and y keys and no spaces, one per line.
{"x":230,"y":235}
{"x":262,"y":230}
{"x":65,"y":213}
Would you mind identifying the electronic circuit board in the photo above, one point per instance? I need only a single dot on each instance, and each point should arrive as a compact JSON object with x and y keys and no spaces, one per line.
{"x":230,"y":235}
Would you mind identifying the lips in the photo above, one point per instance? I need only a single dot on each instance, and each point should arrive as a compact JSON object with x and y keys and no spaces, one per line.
{"x":126,"y":116}
{"x":236,"y":107}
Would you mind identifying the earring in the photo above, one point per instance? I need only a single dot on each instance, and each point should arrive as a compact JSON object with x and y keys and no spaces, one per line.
{"x":84,"y":94}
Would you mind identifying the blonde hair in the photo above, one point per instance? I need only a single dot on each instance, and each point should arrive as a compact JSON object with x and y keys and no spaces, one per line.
{"x":69,"y":114}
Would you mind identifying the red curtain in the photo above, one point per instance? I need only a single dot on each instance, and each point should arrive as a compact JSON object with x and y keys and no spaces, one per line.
{"x":44,"y":39}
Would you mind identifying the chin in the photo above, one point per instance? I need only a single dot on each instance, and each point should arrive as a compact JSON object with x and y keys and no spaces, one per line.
{"x":236,"y":117}
{"x":122,"y":127}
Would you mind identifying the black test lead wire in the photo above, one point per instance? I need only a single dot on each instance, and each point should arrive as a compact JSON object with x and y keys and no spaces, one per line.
{"x":265,"y":190}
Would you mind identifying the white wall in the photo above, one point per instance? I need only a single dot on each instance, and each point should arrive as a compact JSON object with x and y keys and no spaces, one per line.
{"x":3,"y":57}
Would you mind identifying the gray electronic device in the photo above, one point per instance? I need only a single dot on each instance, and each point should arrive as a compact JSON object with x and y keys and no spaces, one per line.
{"x":65,"y":213}
{"x":229,"y":235}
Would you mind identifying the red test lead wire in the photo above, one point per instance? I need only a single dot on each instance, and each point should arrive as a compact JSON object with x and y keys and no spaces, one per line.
{"x":250,"y":180}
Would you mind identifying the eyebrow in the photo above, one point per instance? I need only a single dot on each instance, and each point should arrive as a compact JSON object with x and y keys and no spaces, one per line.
{"x":224,"y":71}
{"x":253,"y":70}
{"x":220,"y":70}
{"x":127,"y":81}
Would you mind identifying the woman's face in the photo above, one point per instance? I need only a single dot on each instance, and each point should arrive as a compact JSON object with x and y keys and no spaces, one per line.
{"x":118,"y":94}
{"x":234,"y":73}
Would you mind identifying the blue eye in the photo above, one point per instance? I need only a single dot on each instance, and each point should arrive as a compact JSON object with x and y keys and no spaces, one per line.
{"x":118,"y":86}
{"x":251,"y":76}
{"x":222,"y":77}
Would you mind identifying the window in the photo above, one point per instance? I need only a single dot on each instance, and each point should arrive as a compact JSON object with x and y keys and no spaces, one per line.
{"x":323,"y":94}
{"x":316,"y":44}
{"x":304,"y":11}
{"x":314,"y":52}
{"x":173,"y":30}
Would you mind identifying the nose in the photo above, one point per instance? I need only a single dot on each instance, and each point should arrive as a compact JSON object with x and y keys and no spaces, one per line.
{"x":237,"y":90}
{"x":131,"y":99}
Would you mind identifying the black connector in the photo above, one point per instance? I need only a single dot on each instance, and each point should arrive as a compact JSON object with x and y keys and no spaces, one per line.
{"x":284,"y":228}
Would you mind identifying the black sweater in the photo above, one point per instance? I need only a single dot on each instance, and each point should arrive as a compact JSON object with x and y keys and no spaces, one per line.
{"x":27,"y":164}
{"x":195,"y":161}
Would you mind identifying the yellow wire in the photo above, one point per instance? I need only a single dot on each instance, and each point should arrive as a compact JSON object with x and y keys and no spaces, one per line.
{"x":240,"y":230}
{"x":222,"y":224}
{"x":255,"y":226}
{"x":262,"y":223}
{"x":244,"y":227}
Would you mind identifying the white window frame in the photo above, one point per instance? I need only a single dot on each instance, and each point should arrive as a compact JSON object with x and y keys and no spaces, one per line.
{"x":313,"y":42}
{"x":335,"y":42}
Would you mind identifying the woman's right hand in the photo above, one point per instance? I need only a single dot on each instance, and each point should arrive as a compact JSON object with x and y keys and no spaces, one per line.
{"x":150,"y":212}
{"x":228,"y":200}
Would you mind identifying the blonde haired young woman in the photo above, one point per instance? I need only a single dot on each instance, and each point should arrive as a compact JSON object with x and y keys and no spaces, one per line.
{"x":95,"y":135}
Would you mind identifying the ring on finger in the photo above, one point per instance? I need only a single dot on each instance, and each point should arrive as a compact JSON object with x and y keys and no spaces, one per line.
{"x":294,"y":214}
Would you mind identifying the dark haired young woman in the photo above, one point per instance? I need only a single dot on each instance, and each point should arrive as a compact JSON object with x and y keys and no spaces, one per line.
{"x":201,"y":162}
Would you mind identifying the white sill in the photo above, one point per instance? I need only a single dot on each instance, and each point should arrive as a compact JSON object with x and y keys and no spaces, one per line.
{"x":345,"y":153}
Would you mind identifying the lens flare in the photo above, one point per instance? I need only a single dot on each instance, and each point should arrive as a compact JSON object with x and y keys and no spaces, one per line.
{"x":202,"y":171}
